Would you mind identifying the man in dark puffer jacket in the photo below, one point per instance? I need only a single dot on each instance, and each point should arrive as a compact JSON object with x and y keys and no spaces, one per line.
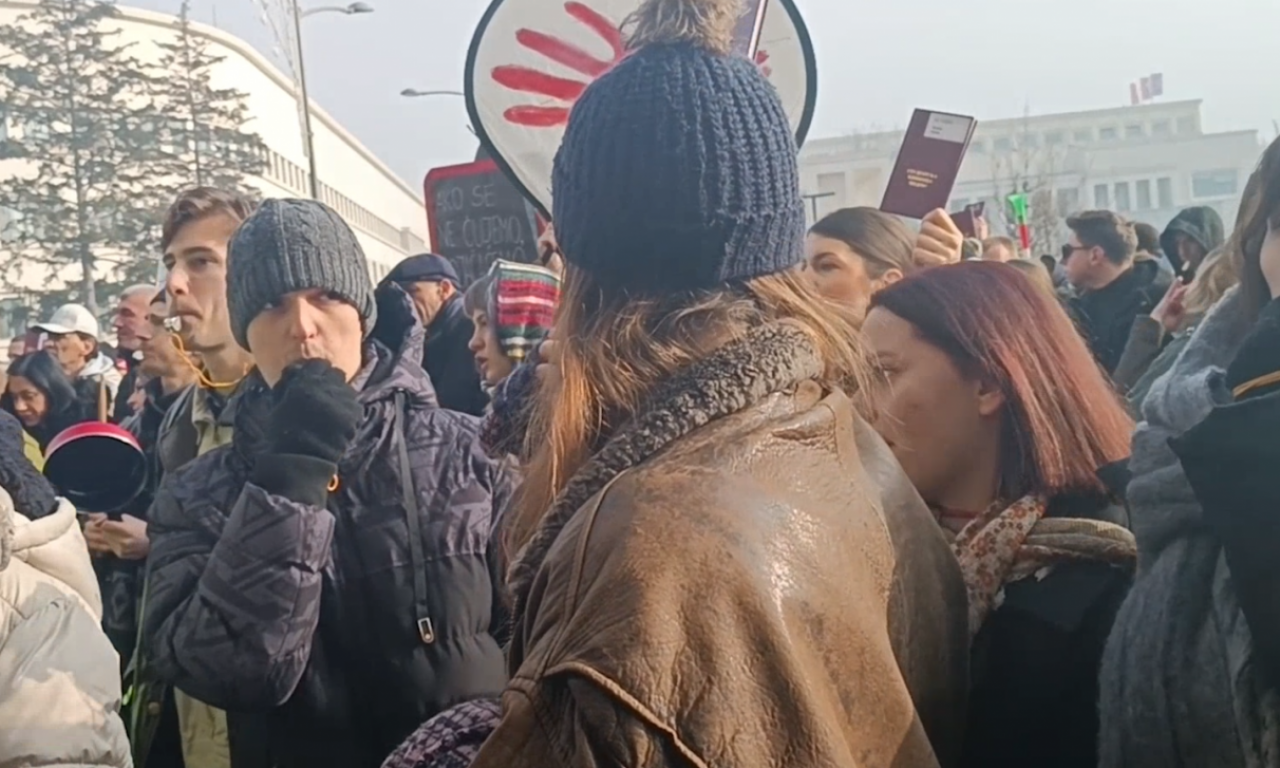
{"x":335,"y":569}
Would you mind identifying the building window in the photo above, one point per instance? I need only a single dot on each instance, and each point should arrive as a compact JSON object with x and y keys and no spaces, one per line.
{"x":1221,"y":183}
{"x":1054,"y":138}
{"x":1143,"y":188}
{"x":978,"y":147}
{"x":1029,"y":141}
{"x":1186,"y":126}
{"x":1122,"y":197}
{"x":1083,"y":136}
{"x":1161,"y":128}
{"x":1134,"y":131}
{"x":1003,"y":144}
{"x":959,"y":204}
{"x":1108,"y":134}
{"x":1101,"y":196}
{"x":1164,"y":192}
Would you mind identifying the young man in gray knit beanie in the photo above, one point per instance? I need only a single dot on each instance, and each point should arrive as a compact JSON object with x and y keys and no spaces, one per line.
{"x":349,"y":526}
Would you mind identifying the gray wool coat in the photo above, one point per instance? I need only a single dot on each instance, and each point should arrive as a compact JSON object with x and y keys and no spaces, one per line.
{"x":1178,"y":682}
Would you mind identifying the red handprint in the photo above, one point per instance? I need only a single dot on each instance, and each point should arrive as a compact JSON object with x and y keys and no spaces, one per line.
{"x":562,"y":89}
{"x":527,"y":80}
{"x":762,"y":62}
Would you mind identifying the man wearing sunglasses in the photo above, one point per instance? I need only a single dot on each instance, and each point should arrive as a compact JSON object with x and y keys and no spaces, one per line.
{"x":1111,"y":290}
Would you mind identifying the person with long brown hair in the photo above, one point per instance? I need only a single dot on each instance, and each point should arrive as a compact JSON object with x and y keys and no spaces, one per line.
{"x":714,"y":560}
{"x":1191,"y":676}
{"x":995,"y":408}
{"x":854,"y":252}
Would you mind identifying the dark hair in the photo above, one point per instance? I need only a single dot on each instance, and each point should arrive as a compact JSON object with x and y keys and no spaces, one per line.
{"x":1063,"y":420}
{"x":1259,"y":204}
{"x":1106,"y":230}
{"x":1148,"y":237}
{"x":44,"y":373}
{"x":201,"y":203}
{"x":476,"y":299}
{"x":882,"y":240}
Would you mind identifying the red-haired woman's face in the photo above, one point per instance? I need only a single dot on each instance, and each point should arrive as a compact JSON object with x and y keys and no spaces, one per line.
{"x":943,"y":427}
{"x":840,"y":273}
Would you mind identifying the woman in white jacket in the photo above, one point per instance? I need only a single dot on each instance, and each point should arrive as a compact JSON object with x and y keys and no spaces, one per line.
{"x":59,"y":675}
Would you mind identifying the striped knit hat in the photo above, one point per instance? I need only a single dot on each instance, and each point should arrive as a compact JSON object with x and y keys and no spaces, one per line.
{"x":522,"y":305}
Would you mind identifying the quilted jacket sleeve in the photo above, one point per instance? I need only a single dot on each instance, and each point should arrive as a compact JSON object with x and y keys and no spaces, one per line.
{"x":234,"y":597}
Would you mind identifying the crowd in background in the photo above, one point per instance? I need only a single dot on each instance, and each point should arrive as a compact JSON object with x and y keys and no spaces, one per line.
{"x":704,"y":485}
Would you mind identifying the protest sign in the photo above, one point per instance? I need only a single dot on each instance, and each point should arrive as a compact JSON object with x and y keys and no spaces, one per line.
{"x":475,"y":216}
{"x":530,"y":60}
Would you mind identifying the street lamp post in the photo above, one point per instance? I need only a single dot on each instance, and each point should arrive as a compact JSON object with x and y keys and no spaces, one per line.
{"x":309,"y":137}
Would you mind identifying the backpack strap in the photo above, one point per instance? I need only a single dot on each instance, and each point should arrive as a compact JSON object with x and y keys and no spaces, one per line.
{"x":417,"y":559}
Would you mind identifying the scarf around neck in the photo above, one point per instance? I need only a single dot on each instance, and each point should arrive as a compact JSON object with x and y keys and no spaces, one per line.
{"x":1006,"y":544}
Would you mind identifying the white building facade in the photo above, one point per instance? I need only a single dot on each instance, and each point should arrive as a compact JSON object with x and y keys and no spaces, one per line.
{"x":1147,"y":162}
{"x":386,"y":213}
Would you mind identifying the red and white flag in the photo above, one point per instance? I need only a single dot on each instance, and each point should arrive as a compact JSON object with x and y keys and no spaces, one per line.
{"x":1134,"y":97}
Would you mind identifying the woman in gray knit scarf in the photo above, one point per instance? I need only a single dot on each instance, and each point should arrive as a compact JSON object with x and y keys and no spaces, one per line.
{"x":1188,"y":678}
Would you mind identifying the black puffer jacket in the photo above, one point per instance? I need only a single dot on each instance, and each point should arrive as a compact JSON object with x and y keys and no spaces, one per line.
{"x":344,"y":627}
{"x":1105,"y":316}
{"x":449,"y":361}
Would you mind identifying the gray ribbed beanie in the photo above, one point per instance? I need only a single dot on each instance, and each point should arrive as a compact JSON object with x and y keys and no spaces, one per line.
{"x":294,"y":245}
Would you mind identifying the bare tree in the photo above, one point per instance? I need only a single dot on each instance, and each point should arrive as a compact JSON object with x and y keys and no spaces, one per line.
{"x":1052,"y":177}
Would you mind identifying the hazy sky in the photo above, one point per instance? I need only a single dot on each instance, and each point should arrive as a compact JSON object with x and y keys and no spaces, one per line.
{"x":877,"y":60}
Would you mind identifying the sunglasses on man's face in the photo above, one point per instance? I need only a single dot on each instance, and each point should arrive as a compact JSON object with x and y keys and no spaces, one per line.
{"x":1070,"y":250}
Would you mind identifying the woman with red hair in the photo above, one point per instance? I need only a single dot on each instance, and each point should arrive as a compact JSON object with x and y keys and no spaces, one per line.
{"x":999,"y":415}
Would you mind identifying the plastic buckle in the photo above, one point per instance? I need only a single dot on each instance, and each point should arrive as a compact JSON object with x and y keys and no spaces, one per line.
{"x":426,"y":631}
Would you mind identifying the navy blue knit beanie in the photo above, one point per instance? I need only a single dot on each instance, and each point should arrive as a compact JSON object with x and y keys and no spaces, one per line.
{"x":678,"y":167}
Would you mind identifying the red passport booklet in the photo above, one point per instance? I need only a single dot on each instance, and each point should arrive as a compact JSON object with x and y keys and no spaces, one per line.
{"x":928,"y":163}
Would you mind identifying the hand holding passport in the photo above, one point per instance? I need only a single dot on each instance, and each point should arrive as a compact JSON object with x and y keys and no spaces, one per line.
{"x":928,"y":163}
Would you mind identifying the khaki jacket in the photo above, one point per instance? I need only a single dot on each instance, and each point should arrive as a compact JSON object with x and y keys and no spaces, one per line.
{"x":764,"y":590}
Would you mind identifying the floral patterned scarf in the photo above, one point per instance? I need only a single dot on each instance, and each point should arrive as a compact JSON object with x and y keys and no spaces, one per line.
{"x":1006,"y":544}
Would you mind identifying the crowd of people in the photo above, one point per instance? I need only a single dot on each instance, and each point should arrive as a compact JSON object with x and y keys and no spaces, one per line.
{"x":704,"y":486}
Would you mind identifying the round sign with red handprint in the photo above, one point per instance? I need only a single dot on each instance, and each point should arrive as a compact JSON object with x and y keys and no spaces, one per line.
{"x":531,"y":59}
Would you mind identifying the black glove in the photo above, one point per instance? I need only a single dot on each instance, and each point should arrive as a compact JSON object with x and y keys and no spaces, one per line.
{"x":316,"y":412}
{"x":32,"y":495}
{"x":312,"y":424}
